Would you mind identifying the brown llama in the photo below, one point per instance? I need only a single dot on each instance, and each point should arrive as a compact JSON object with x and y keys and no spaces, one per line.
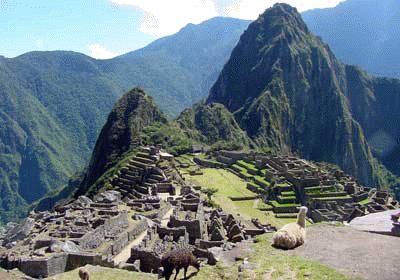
{"x":177,"y":259}
{"x":84,"y":274}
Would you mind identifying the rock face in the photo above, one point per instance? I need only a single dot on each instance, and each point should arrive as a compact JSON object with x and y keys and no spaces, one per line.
{"x":287,"y":90}
{"x":122,"y":131}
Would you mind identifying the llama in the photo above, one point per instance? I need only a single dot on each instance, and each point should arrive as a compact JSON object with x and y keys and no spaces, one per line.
{"x":83,"y":273}
{"x":177,"y":259}
{"x":293,"y":234}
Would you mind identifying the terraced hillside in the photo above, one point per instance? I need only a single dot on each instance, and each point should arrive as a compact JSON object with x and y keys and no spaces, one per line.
{"x":273,"y":187}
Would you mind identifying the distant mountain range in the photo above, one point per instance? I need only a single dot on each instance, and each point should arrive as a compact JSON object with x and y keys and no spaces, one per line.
{"x":361,"y":32}
{"x":53,"y":104}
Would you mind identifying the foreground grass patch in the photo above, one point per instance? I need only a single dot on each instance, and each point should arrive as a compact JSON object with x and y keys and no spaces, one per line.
{"x":271,"y":263}
{"x":103,"y":273}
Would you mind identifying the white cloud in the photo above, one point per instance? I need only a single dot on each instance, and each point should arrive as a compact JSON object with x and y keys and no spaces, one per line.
{"x":165,"y":17}
{"x":99,"y":52}
{"x":39,"y":44}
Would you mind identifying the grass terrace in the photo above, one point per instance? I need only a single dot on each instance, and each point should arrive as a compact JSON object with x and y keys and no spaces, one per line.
{"x":251,"y":168}
{"x":365,"y":201}
{"x":230,"y":185}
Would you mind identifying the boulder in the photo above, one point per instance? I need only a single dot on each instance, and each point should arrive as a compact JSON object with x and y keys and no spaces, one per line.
{"x":83,"y":201}
{"x":108,"y":197}
{"x":130,"y":266}
{"x":57,"y":246}
{"x":214,"y":255}
{"x":19,"y":231}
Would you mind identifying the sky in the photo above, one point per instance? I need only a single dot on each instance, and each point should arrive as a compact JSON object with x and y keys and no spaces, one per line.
{"x":106,"y":28}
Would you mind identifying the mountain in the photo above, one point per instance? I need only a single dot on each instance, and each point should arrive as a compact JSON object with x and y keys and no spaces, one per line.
{"x":53,"y":104}
{"x":214,"y":125}
{"x":361,"y":32}
{"x":288,"y":91}
{"x":136,"y":120}
{"x":123,"y":130}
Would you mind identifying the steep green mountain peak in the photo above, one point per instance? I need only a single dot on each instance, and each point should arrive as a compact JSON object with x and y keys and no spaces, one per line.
{"x":132,"y":113}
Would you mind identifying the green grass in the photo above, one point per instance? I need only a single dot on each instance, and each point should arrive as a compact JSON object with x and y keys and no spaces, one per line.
{"x":248,"y":166}
{"x":242,"y":170}
{"x":365,"y":201}
{"x":230,"y":185}
{"x":272,"y":263}
{"x":290,"y":193}
{"x":333,"y":198}
{"x":277,"y":204}
{"x":103,"y":273}
{"x":261,"y":181}
{"x":265,"y":262}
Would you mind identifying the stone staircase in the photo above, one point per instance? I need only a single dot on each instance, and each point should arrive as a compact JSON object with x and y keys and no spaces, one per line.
{"x":139,"y":176}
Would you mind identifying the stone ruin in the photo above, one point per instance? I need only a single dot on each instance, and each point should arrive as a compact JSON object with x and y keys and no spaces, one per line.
{"x":78,"y":233}
{"x":95,"y":230}
{"x":194,"y":226}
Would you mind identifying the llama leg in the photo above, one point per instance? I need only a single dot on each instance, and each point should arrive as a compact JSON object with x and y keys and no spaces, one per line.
{"x":185,"y":269}
{"x":177,"y":272}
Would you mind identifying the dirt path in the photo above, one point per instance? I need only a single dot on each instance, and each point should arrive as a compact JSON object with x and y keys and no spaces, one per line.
{"x":255,"y":204}
{"x":354,"y":253}
{"x":125,"y":254}
{"x":165,"y":219}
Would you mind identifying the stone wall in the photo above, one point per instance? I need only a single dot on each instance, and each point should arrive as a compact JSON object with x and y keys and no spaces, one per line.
{"x":234,"y":155}
{"x":243,"y":198}
{"x":76,"y":260}
{"x":139,"y":228}
{"x":207,"y":163}
{"x":120,"y":243}
{"x":176,"y":233}
{"x":149,"y":261}
{"x":44,"y":267}
{"x":193,"y":228}
{"x":111,"y":227}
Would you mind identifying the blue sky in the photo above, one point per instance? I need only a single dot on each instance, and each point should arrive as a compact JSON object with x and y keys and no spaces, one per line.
{"x":106,"y":28}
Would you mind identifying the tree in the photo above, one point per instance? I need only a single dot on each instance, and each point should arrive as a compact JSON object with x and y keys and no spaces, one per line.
{"x":209,"y":192}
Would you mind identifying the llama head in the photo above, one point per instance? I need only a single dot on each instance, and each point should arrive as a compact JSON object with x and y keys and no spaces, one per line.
{"x":303,"y":210}
{"x":160,"y":272}
{"x":196,"y":264}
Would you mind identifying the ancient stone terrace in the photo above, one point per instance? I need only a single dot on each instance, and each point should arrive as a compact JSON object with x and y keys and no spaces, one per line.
{"x":145,"y":174}
{"x":286,"y":182}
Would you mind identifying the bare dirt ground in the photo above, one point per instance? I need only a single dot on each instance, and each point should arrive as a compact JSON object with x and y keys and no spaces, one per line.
{"x":352,"y":252}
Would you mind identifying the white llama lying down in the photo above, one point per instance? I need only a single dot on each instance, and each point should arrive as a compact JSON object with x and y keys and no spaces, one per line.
{"x":293,"y":234}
